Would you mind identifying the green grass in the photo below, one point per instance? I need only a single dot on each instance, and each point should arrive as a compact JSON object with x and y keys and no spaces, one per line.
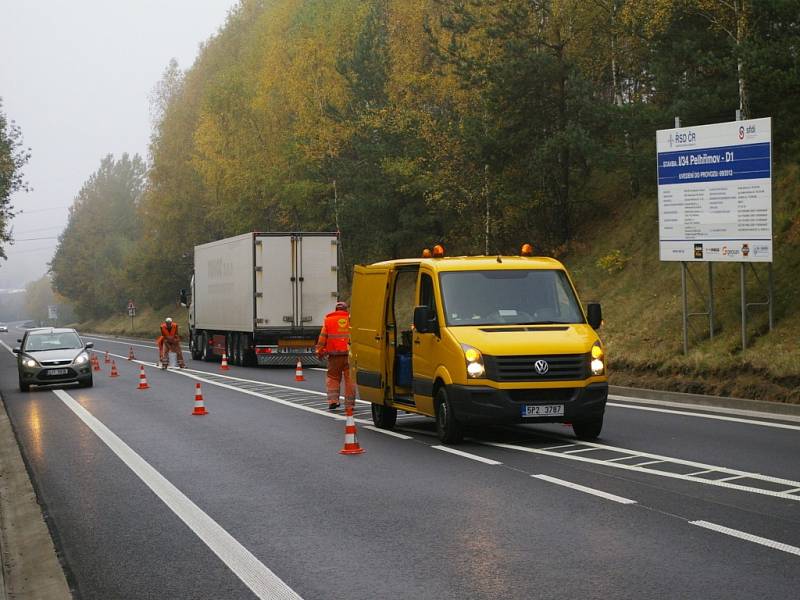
{"x":145,"y":324}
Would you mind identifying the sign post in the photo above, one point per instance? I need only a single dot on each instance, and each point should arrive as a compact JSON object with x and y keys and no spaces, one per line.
{"x":715,"y":204}
{"x":131,"y":312}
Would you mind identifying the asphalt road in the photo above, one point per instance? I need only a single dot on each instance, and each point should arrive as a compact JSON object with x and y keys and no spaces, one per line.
{"x":254,"y":500}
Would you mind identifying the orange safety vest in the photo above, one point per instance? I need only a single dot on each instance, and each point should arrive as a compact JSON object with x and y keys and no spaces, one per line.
{"x":167,"y":332}
{"x":335,"y":335}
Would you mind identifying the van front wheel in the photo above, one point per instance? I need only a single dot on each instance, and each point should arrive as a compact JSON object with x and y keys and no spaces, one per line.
{"x":588,"y":430}
{"x":384,"y":417}
{"x":447,"y":428}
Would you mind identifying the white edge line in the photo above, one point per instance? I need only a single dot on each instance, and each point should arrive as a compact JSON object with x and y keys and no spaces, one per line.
{"x":263,"y":582}
{"x":686,"y":413}
{"x":717,"y":483}
{"x":487,"y":461}
{"x":749,"y":537}
{"x":587,"y":490}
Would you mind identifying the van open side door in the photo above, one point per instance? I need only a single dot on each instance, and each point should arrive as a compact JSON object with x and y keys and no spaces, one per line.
{"x":368,"y":331}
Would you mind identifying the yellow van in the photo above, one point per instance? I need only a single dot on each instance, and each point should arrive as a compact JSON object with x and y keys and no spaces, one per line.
{"x":477,"y":339}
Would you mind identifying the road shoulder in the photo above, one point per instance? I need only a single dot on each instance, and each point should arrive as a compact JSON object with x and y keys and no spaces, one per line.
{"x":31,"y":568}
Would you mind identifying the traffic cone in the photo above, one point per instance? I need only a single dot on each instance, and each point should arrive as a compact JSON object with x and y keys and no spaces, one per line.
{"x":298,"y":371}
{"x":96,"y":363}
{"x":350,"y":440}
{"x":107,"y":360}
{"x":199,"y":407}
{"x":130,"y":354}
{"x":142,"y":379}
{"x":114,"y":372}
{"x":224,"y":366}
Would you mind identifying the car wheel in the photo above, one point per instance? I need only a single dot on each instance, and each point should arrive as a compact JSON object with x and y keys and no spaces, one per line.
{"x":24,"y":387}
{"x":588,"y":430}
{"x":447,"y":428}
{"x":384,"y":417}
{"x":88,"y":383}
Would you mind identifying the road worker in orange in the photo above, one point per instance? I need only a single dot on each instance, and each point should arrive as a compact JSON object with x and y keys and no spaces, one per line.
{"x":169,"y":341}
{"x":334,"y":342}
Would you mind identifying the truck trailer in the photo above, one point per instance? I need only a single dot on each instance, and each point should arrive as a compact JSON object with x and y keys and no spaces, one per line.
{"x":261,"y":298}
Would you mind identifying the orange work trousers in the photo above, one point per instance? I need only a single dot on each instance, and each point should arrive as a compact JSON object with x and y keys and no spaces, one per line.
{"x":339,"y":367}
{"x":171,"y":345}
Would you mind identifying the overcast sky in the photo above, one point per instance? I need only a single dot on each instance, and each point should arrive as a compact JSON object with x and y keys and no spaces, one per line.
{"x":76,"y":76}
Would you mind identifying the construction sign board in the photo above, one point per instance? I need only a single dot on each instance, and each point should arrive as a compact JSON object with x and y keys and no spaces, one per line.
{"x":715,"y":192}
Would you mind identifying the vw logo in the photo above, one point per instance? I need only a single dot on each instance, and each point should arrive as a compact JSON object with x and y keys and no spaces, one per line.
{"x":541,"y":367}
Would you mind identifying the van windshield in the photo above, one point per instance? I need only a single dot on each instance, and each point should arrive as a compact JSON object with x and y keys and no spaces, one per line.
{"x":509,"y":297}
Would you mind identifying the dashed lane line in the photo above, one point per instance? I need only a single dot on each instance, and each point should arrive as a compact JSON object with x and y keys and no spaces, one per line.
{"x":261,"y":580}
{"x":749,"y":537}
{"x":584,"y":489}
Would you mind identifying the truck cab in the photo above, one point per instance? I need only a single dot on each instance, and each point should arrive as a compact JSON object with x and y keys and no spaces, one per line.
{"x":477,"y":340}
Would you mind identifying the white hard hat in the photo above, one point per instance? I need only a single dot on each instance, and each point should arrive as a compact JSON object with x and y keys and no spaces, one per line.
{"x":168,"y":319}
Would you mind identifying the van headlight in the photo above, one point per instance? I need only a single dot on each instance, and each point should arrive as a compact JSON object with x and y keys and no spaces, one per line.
{"x":598,"y":363}
{"x":29,"y":362}
{"x":474,"y":360}
{"x":81,"y":358}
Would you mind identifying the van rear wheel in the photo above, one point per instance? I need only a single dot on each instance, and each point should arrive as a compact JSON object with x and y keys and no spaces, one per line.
{"x":447,"y":428}
{"x":588,"y":430}
{"x":384,"y":417}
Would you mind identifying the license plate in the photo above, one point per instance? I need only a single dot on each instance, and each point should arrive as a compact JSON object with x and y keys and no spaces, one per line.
{"x":543,"y":410}
{"x":57,"y":371}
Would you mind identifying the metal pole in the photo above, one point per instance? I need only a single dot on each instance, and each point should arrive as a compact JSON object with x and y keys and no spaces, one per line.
{"x":685,"y":309}
{"x":711,"y":300}
{"x":769,"y":285}
{"x":742,"y":277}
{"x":677,"y":122}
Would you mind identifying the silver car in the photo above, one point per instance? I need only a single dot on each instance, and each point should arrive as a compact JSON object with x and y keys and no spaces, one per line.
{"x":53,"y":355}
{"x":3,"y":328}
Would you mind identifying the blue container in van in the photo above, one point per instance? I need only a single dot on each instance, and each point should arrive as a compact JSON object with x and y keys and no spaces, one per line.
{"x":403,"y":370}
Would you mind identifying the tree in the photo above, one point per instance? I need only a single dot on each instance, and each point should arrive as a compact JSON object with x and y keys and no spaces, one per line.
{"x":13,"y":157}
{"x":91,"y":264}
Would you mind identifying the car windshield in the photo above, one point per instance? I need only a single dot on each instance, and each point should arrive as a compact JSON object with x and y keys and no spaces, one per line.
{"x":38,"y":342}
{"x":506,"y":297}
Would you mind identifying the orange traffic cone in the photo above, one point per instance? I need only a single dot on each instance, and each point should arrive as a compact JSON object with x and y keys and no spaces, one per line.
{"x":107,"y":360}
{"x":95,"y":363}
{"x":142,"y":380}
{"x":224,"y":366}
{"x":130,"y":354}
{"x":199,"y":407}
{"x":350,"y":440}
{"x":114,"y":372}
{"x":298,"y":371}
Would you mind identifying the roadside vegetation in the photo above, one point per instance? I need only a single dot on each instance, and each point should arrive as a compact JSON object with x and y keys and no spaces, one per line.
{"x":402,"y":123}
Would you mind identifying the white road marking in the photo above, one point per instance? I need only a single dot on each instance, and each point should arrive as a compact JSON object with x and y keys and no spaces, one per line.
{"x":749,"y":537}
{"x":654,"y":462}
{"x":587,"y":490}
{"x":487,"y":461}
{"x":389,"y":432}
{"x":637,"y":468}
{"x":7,"y":347}
{"x":254,"y":574}
{"x":580,"y":450}
{"x":700,"y":472}
{"x":734,"y":411}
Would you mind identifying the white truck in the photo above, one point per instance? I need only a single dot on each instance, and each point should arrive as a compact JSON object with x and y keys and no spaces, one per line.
{"x":261,"y":298}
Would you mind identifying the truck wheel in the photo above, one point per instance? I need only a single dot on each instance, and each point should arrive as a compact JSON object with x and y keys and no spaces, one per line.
{"x":205,"y":352}
{"x":384,"y":417}
{"x":447,"y":428}
{"x":194,"y":343}
{"x":234,"y":357}
{"x":588,"y":430}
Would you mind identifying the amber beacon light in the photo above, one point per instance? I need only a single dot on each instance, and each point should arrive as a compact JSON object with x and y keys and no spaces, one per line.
{"x":526,"y":250}
{"x":438,"y":251}
{"x":426,"y":253}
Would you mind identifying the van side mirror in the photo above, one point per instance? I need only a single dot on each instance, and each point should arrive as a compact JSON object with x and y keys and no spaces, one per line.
{"x":422,"y":319}
{"x":184,"y":299}
{"x":594,"y":314}
{"x":89,"y":345}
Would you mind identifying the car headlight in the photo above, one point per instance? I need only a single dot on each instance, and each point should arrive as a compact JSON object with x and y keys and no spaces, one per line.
{"x":598,"y":364}
{"x":29,"y":362}
{"x":81,"y":359}
{"x":474,"y":360}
